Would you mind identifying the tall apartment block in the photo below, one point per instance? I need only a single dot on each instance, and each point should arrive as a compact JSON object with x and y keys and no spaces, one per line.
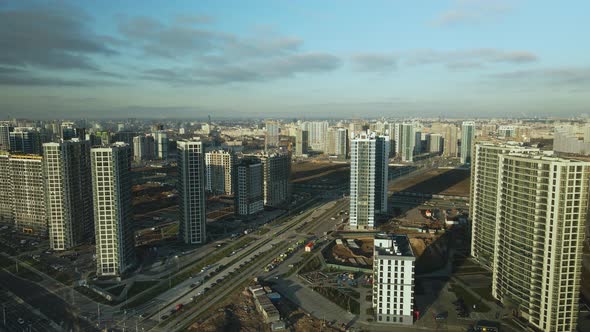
{"x":337,"y":142}
{"x":318,"y":131}
{"x":541,"y":217}
{"x":368,"y":179}
{"x":467,"y":140}
{"x":25,"y":140}
{"x":68,"y":191}
{"x":160,"y":145}
{"x":381,"y":173}
{"x":393,"y":279}
{"x":451,"y":137}
{"x":22,"y":200}
{"x":434,"y":143}
{"x":219,"y":172}
{"x":301,"y":142}
{"x":113,"y":224}
{"x":406,"y":141}
{"x":249,"y":188}
{"x":191,"y":191}
{"x":277,"y":171}
{"x":5,"y":130}
{"x":484,"y":197}
{"x":271,"y":138}
{"x":6,"y":213}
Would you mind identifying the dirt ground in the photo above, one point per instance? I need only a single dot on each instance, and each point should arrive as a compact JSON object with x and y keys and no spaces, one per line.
{"x":438,"y":181}
{"x":240,"y":314}
{"x":309,"y":170}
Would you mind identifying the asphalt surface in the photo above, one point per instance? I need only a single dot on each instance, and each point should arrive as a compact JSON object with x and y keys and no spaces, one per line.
{"x":52,"y":306}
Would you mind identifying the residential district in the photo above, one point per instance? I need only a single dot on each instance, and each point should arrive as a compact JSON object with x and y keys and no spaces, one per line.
{"x":268,"y":225}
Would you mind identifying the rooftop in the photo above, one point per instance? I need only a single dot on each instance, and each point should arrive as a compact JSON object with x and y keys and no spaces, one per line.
{"x":393,"y":245}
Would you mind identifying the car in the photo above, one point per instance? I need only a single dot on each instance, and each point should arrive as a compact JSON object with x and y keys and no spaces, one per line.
{"x":441,"y":316}
{"x":20,"y":321}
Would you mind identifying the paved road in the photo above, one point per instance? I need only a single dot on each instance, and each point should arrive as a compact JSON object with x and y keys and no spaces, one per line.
{"x":268,"y":246}
{"x":51,"y":305}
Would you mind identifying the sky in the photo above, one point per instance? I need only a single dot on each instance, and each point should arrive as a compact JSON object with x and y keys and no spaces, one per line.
{"x":294,"y":59}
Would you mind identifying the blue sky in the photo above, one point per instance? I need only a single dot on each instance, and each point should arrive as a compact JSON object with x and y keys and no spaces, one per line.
{"x":187,"y":59}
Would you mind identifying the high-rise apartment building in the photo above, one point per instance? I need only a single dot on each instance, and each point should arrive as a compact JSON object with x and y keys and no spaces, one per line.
{"x":191,"y":191}
{"x":337,"y":142}
{"x":317,"y":134}
{"x":484,"y":197}
{"x":381,"y":173}
{"x":406,"y":141}
{"x":68,"y":191}
{"x":434,"y":143}
{"x":467,"y":140}
{"x":301,"y":142}
{"x":249,"y":188}
{"x":541,"y":215}
{"x":451,"y":139}
{"x":368,"y":179}
{"x":27,"y":194}
{"x":25,"y":140}
{"x":271,"y":138}
{"x":219,"y":172}
{"x":160,"y":145}
{"x":393,"y":283}
{"x":277,"y":171}
{"x":5,"y":130}
{"x":6,"y":213}
{"x":113,"y":224}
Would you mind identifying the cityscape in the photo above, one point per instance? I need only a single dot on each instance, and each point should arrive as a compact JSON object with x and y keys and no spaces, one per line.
{"x":162,"y":169}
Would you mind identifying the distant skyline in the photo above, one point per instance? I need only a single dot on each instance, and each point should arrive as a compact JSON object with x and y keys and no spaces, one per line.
{"x":293,"y":59}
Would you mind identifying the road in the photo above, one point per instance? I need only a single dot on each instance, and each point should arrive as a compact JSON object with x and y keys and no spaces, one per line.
{"x":261,"y":253}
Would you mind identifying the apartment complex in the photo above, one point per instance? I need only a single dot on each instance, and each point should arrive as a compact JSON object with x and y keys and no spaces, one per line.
{"x":368,"y":179}
{"x":434,"y":143}
{"x":23,"y":201}
{"x":528,"y":216}
{"x":271,"y":138}
{"x":337,"y":142}
{"x":317,"y":134}
{"x":249,"y":189}
{"x":484,"y":197}
{"x":301,"y":142}
{"x":393,"y":279}
{"x":68,"y":190}
{"x":406,"y":140}
{"x":191,"y":192}
{"x":467,"y":140}
{"x":451,"y":137}
{"x":113,"y":224}
{"x":542,"y":211}
{"x":277,"y":171}
{"x":219,"y":172}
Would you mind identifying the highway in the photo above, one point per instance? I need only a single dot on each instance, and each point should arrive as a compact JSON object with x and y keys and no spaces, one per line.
{"x":251,"y":264}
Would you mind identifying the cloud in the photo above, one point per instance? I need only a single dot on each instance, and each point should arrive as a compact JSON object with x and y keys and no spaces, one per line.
{"x":567,"y":76}
{"x":197,"y":56}
{"x":194,"y":19}
{"x":470,"y":58}
{"x":180,"y":39}
{"x":472,"y":12}
{"x":374,"y":62}
{"x":49,"y":38}
{"x":254,"y":71}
